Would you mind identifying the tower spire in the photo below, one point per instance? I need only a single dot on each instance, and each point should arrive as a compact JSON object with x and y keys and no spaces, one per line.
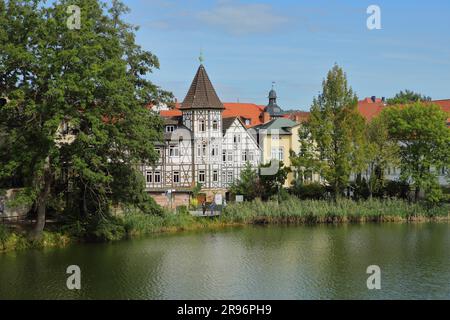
{"x":201,"y":58}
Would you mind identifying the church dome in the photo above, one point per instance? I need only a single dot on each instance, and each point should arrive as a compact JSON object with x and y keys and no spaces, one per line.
{"x":272,"y":94}
{"x":272,"y":108}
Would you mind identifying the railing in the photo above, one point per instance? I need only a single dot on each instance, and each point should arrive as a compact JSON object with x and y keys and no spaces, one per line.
{"x":12,"y":219}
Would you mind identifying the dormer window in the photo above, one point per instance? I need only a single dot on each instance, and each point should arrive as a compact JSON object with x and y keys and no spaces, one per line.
{"x":247,"y":122}
{"x":170,"y":128}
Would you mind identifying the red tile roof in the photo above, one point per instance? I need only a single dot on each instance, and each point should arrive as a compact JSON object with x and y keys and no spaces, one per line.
{"x":370,"y":109}
{"x":255,"y":113}
{"x":250,"y":111}
{"x":298,"y":116}
{"x":444,"y":104}
{"x":170,"y":113}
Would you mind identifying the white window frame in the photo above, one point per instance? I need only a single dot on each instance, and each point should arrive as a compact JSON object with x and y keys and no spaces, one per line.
{"x":177,"y":175}
{"x":215,"y":125}
{"x":201,"y":125}
{"x":174,"y":151}
{"x":157,"y":177}
{"x":149,"y":177}
{"x":200,"y":174}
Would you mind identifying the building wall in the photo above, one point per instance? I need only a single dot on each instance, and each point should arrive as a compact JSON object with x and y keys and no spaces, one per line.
{"x":178,"y":199}
{"x":211,"y":157}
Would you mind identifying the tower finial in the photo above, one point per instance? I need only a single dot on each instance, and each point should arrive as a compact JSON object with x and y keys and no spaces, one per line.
{"x":201,"y":58}
{"x":273,"y":84}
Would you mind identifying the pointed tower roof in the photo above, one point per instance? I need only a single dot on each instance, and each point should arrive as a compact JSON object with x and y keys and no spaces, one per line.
{"x":201,"y":94}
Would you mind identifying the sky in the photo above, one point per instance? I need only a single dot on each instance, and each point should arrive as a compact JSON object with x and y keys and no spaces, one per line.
{"x":247,"y":45}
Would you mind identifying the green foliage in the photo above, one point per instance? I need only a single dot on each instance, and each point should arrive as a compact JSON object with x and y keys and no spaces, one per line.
{"x":294,"y":210}
{"x":92,"y":79}
{"x":406,"y":97}
{"x":248,"y":183}
{"x":338,"y":130}
{"x":424,"y":139}
{"x":397,"y":189}
{"x":271,"y":185}
{"x":380,"y":152}
{"x":313,"y":190}
{"x":108,"y":230}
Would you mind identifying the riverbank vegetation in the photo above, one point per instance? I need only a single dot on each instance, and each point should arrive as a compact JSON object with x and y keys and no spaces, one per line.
{"x":76,"y":131}
{"x":292,"y":210}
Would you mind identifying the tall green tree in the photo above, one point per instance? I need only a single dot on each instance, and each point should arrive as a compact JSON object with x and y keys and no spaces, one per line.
{"x":272,"y":184}
{"x":338,"y":130}
{"x":424,"y":141}
{"x":381,"y":152}
{"x":307,"y":161}
{"x":93,"y":81}
{"x":407,"y":96}
{"x":248,"y":183}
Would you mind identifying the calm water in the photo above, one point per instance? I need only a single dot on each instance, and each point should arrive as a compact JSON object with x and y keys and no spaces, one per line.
{"x":320,"y":262}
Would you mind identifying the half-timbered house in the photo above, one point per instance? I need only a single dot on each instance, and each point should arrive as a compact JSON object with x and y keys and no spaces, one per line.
{"x":200,"y":146}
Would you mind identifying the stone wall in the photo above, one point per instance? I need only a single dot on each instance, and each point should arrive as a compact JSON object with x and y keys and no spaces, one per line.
{"x":9,"y":211}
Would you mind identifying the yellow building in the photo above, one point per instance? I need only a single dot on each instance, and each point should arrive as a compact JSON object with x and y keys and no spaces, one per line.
{"x":277,"y":138}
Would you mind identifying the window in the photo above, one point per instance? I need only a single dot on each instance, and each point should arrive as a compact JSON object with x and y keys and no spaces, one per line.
{"x":215,"y":125}
{"x":251,"y":156}
{"x":281,"y":154}
{"x":224,"y":176}
{"x":174,"y":151}
{"x":275,"y":137}
{"x":215,"y":176}
{"x":201,"y":126}
{"x":230,"y":176}
{"x":224,"y":155}
{"x":157,"y":177}
{"x":230,"y":156}
{"x":237,"y":138}
{"x":176,"y":177}
{"x":201,"y":176}
{"x":247,"y":122}
{"x":278,"y":154}
{"x":201,"y":150}
{"x":214,"y":150}
{"x":244,"y":156}
{"x":149,"y":177}
{"x":170,"y":128}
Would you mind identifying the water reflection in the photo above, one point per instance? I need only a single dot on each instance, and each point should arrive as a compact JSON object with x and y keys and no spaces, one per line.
{"x":320,"y":262}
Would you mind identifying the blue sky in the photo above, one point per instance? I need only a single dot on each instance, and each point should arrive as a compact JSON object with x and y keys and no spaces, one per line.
{"x":249,"y":44}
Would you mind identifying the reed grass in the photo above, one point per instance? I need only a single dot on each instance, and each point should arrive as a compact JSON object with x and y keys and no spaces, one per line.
{"x":290,"y":211}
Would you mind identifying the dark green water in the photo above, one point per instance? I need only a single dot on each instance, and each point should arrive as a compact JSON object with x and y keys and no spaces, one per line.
{"x":320,"y":262}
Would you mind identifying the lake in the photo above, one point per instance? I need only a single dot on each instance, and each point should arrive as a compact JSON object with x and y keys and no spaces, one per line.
{"x":274,"y":262}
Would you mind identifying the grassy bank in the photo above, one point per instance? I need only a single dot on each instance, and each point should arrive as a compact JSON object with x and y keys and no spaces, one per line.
{"x":17,"y":240}
{"x":290,"y":211}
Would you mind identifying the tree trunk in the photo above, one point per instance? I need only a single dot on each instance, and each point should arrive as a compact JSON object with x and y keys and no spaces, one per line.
{"x":42,"y":200}
{"x":417,"y":194}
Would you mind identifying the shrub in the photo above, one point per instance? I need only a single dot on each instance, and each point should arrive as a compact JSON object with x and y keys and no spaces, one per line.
{"x":397,"y":189}
{"x":309,"y":191}
{"x":107,"y":229}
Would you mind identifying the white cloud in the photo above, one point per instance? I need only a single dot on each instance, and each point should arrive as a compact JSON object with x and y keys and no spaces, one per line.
{"x":239,"y":19}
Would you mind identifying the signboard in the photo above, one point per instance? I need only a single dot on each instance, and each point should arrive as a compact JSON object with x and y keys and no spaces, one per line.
{"x":218,"y":199}
{"x":239,"y":198}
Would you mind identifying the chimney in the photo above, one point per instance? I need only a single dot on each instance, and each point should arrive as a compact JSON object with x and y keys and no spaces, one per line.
{"x":374,"y":99}
{"x":383,"y":99}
